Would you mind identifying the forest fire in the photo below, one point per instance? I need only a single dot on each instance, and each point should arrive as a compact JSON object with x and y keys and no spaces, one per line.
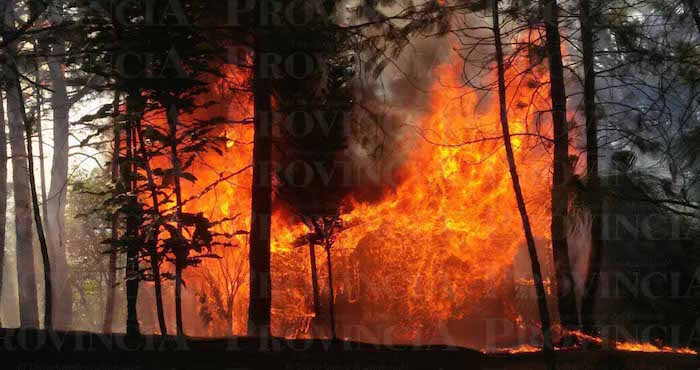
{"x":584,"y":340}
{"x":441,"y":244}
{"x":444,"y":235}
{"x":629,"y":347}
{"x":350,"y":184}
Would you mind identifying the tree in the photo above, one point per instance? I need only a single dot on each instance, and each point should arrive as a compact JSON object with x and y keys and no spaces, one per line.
{"x":132,"y":212}
{"x":314,"y":279}
{"x":311,"y":177}
{"x":529,"y":238}
{"x":260,"y":291}
{"x":180,"y":71}
{"x":29,"y":311}
{"x":221,"y":280}
{"x":48,"y":289}
{"x":3,"y":188}
{"x":86,"y":231}
{"x":114,"y":218}
{"x":587,"y":19}
{"x":54,"y":47}
{"x":568,"y":310}
{"x":155,"y":227}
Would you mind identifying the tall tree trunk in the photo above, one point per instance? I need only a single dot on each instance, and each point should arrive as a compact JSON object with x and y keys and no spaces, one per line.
{"x":529,"y":238}
{"x":133,"y":109}
{"x":42,"y":176}
{"x":593,"y":273}
{"x":155,"y":231}
{"x":568,"y":311}
{"x":181,"y":252}
{"x":314,"y":280}
{"x":40,"y":137}
{"x":259,"y":255}
{"x":3,"y":191}
{"x":28,"y":305}
{"x":35,"y":205}
{"x":112,"y":273}
{"x":56,"y":204}
{"x":331,"y":297}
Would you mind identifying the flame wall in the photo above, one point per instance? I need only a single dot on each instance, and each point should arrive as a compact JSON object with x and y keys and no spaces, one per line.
{"x":438,"y":248}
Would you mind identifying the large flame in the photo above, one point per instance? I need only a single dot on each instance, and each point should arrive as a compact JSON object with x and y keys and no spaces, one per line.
{"x":441,"y":241}
{"x":443,"y":246}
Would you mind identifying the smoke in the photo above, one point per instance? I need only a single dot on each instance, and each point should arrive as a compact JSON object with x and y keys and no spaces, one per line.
{"x":386,"y":111}
{"x":377,"y":123}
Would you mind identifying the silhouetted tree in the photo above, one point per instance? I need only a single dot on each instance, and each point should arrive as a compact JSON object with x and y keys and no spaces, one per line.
{"x":529,"y":238}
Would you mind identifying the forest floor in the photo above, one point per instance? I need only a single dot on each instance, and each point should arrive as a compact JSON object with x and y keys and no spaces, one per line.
{"x":76,"y":350}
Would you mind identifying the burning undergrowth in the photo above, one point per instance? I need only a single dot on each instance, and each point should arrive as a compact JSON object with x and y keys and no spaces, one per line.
{"x":430,"y":229}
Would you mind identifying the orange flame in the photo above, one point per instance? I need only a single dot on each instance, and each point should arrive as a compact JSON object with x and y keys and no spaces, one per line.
{"x":439,"y":243}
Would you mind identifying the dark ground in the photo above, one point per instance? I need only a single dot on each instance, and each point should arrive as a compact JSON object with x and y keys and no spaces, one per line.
{"x":42,"y":350}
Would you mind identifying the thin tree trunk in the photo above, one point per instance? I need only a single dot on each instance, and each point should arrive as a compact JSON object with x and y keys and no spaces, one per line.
{"x":529,"y":238}
{"x":331,"y":298}
{"x":3,"y":191}
{"x":229,"y":316}
{"x":132,"y":250}
{"x":40,"y":136}
{"x":112,"y":277}
{"x":153,"y":245}
{"x":260,"y":302}
{"x":314,"y":280}
{"x":56,"y":201}
{"x":35,"y":205}
{"x":568,"y":311}
{"x":28,"y":305}
{"x":181,"y":252}
{"x":593,"y":273}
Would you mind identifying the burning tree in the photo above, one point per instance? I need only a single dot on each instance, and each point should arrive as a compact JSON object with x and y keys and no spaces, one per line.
{"x":313,"y":177}
{"x":221,"y":280}
{"x":162,"y":69}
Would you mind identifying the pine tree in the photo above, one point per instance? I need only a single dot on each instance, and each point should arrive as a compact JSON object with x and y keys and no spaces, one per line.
{"x":568,"y":309}
{"x":532,"y":249}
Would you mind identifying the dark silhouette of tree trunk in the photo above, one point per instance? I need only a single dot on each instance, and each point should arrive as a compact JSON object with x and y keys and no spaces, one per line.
{"x":594,"y":261}
{"x":3,"y":190}
{"x":181,"y":249}
{"x":568,"y":310}
{"x":112,"y":273}
{"x":331,"y":297}
{"x":28,"y":305}
{"x":48,"y":300}
{"x":133,"y":110}
{"x":314,"y":280}
{"x":529,"y":238}
{"x":259,"y":257}
{"x":40,"y":137}
{"x":153,"y":242}
{"x":56,"y":205}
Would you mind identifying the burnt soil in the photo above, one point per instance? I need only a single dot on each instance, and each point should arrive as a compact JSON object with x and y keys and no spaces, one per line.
{"x":33,"y":349}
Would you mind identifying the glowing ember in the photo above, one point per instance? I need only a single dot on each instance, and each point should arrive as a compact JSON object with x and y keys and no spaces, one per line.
{"x":525,"y":348}
{"x":648,"y":347}
{"x":584,"y":340}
